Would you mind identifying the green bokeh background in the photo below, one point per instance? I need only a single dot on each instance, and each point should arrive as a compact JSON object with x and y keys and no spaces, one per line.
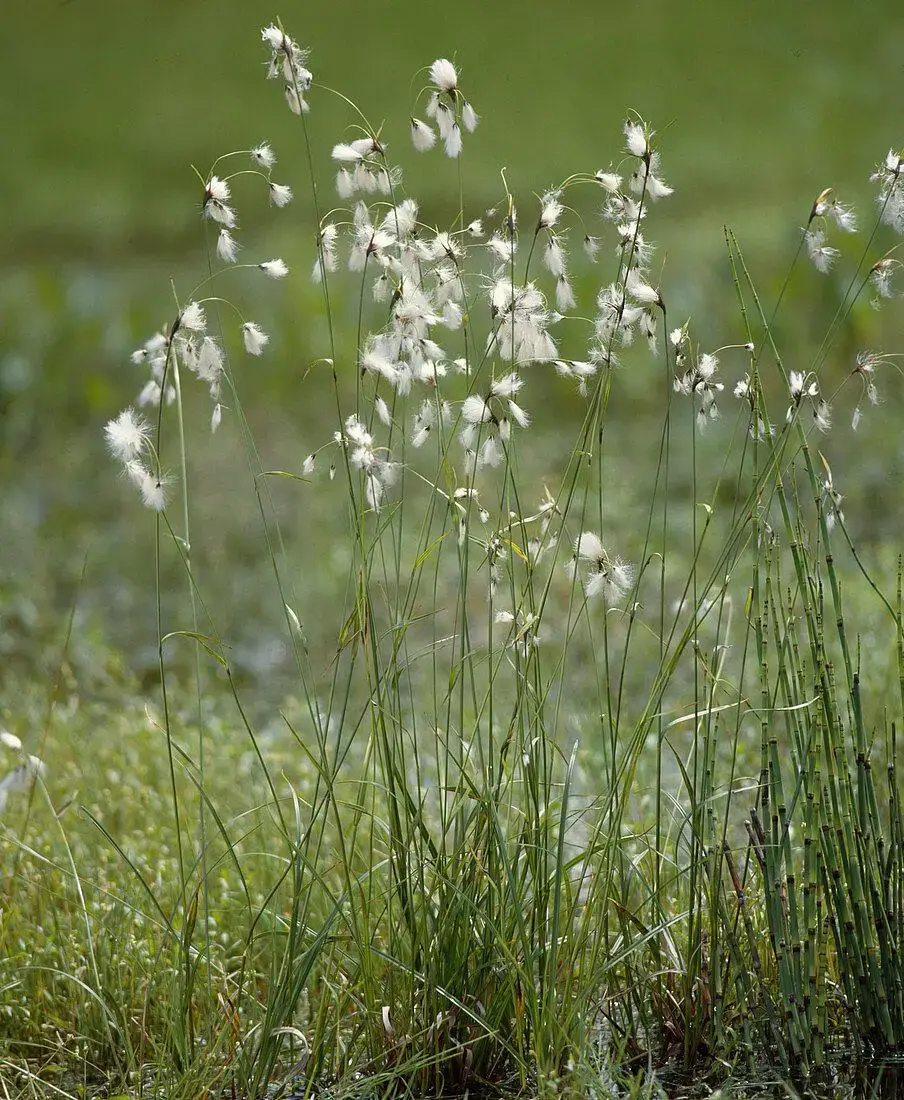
{"x":105,"y":106}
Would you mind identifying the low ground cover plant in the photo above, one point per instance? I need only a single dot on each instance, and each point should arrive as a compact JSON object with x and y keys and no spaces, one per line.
{"x":566,"y":807}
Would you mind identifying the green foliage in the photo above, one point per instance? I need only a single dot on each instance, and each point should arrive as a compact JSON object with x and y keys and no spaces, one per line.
{"x":526,"y":819}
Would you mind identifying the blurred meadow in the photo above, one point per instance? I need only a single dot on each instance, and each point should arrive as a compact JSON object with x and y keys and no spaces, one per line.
{"x":106,"y":107}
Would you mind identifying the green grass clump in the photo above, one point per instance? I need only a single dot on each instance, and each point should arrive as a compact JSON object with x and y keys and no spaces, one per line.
{"x":587,"y":780}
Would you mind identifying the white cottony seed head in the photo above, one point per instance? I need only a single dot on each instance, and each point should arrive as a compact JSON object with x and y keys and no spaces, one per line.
{"x":254,"y":338}
{"x":589,"y":546}
{"x":263,"y":155}
{"x":275,"y":269}
{"x":423,"y":137}
{"x":453,"y":141}
{"x":609,"y":181}
{"x":507,"y":386}
{"x":443,"y":75}
{"x":822,"y":255}
{"x":280,"y":194}
{"x":550,"y":210}
{"x":209,"y":361}
{"x":21,"y":777}
{"x":127,"y":435}
{"x":217,"y":189}
{"x":636,"y":139}
{"x":151,"y":486}
{"x":192,"y":318}
{"x":227,"y":247}
{"x":475,"y":410}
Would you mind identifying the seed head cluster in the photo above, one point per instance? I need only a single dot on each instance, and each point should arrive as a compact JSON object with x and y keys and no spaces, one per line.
{"x":447,"y":108}
{"x":186,"y":343}
{"x":469,"y":312}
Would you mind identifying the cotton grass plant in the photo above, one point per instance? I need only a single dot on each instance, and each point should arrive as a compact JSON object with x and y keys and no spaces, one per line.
{"x":572,"y":802}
